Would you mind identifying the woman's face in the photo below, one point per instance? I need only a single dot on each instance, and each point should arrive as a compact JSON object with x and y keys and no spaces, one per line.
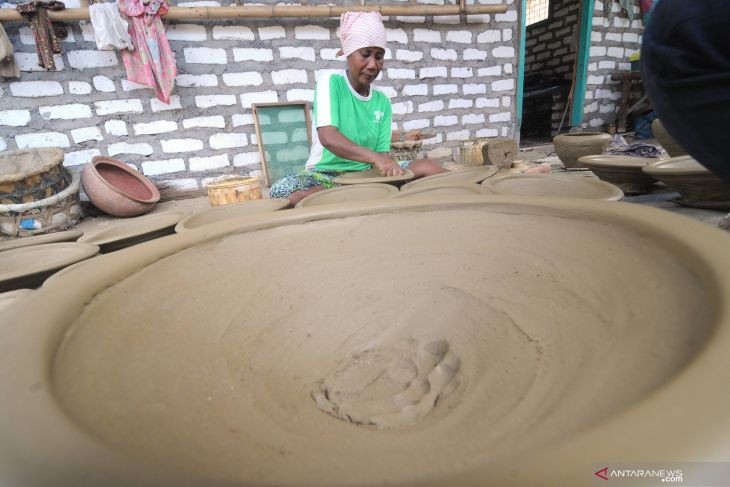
{"x":365,"y":65}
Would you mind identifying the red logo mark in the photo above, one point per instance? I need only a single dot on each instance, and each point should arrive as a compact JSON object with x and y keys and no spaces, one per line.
{"x":602,"y":473}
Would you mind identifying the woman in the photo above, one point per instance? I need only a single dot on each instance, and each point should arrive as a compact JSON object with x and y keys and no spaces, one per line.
{"x":352,"y":119}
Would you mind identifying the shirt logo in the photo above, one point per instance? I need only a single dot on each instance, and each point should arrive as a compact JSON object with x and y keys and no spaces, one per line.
{"x":378,"y":115}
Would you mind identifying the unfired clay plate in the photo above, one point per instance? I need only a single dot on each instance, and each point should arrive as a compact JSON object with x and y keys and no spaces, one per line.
{"x":8,"y":298}
{"x":438,"y":191}
{"x":682,"y":165}
{"x":28,"y":267}
{"x":555,"y":185}
{"x":136,"y":231}
{"x":228,"y":212}
{"x":67,"y":236}
{"x":616,"y":161}
{"x":372,"y":176}
{"x":360,"y":192}
{"x":475,"y":174}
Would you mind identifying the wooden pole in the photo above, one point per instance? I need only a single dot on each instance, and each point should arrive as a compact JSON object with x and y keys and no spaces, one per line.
{"x":238,"y":11}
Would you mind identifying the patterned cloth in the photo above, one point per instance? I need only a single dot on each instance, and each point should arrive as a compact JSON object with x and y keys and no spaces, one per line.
{"x":8,"y":68}
{"x":152,"y":63}
{"x":309,"y":179}
{"x":361,"y":29}
{"x":45,"y":32}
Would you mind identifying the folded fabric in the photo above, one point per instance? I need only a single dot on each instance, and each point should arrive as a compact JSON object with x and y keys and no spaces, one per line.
{"x":46,"y":33}
{"x":637,"y":149}
{"x":8,"y":68}
{"x":110,"y":29}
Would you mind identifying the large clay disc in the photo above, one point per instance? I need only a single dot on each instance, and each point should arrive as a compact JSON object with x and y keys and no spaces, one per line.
{"x":555,"y":185}
{"x":229,"y":212}
{"x":372,"y":176}
{"x":28,"y":267}
{"x":136,"y":231}
{"x":67,"y":236}
{"x":475,"y":174}
{"x":343,"y":194}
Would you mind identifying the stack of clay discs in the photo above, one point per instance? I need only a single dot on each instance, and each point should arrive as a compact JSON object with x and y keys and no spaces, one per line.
{"x":30,"y":175}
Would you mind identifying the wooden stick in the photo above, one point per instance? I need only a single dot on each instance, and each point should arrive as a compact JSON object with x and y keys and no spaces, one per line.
{"x":237,"y":11}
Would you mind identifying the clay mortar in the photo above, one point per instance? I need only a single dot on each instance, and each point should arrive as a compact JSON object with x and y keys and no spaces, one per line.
{"x":585,"y":331}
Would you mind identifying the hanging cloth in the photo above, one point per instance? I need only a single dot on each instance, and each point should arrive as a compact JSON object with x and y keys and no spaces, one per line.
{"x":46,"y":33}
{"x":8,"y":68}
{"x":152,"y":63}
{"x":110,"y":30}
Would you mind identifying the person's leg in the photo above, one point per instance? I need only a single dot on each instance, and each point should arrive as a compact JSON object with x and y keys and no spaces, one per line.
{"x":425,"y":167}
{"x":297,"y":196}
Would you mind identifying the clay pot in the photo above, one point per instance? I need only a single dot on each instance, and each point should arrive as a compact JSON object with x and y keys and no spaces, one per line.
{"x":697,"y":185}
{"x":117,"y":189}
{"x":569,"y":147}
{"x":623,"y":171}
{"x":191,"y":360}
{"x":554,"y":186}
{"x":666,"y":140}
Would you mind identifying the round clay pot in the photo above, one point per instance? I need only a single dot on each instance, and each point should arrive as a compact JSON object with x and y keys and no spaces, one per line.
{"x":213,"y":357}
{"x":692,"y":180}
{"x":554,"y":186}
{"x":117,"y":189}
{"x":623,"y":171}
{"x":569,"y":147}
{"x":666,"y":140}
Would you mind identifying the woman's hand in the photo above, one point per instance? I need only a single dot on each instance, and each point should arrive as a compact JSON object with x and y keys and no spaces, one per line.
{"x":386,"y":165}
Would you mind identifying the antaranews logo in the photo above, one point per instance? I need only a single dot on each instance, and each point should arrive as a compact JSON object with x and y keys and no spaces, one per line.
{"x":660,"y":474}
{"x":602,"y":473}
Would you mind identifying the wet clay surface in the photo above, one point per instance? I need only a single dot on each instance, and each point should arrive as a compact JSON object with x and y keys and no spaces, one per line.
{"x":352,"y":350}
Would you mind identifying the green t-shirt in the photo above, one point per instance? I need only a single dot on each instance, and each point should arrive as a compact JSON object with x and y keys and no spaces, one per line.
{"x":365,"y":120}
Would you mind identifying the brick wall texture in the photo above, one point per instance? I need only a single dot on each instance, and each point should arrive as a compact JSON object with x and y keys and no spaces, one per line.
{"x":612,"y":42}
{"x":453,"y":76}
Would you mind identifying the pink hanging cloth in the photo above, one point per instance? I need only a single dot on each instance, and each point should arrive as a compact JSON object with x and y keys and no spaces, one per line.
{"x":152,"y":63}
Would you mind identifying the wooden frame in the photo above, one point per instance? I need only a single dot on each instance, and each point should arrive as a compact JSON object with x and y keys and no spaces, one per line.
{"x":262,"y":152}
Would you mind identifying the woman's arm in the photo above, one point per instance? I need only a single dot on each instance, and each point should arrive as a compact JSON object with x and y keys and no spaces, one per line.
{"x":332,"y":139}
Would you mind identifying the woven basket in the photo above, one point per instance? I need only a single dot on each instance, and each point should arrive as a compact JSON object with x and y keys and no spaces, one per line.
{"x":407,"y":150}
{"x":234,"y":189}
{"x":59,"y":212}
{"x":31,"y":175}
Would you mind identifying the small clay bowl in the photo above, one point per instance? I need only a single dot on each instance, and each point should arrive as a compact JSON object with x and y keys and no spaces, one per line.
{"x":346,"y":194}
{"x":692,"y":180}
{"x":475,"y":174}
{"x":117,"y":189}
{"x":230,"y":212}
{"x":623,"y":171}
{"x":570,"y":147}
{"x":136,"y":231}
{"x":372,"y":176}
{"x":438,"y":191}
{"x":554,"y":185}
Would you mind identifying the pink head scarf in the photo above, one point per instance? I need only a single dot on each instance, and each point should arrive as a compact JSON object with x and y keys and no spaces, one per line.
{"x":361,"y":29}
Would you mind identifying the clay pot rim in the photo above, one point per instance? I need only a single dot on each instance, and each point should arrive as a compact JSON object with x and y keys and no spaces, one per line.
{"x":69,"y":253}
{"x":474,"y":189}
{"x":486,"y":173}
{"x":387,"y":189}
{"x":350,"y":178}
{"x":656,"y":418}
{"x":238,"y":210}
{"x":668,"y":167}
{"x":64,"y":236}
{"x":615,"y":161}
{"x":139,"y":177}
{"x":137,"y":227}
{"x":613,"y":192}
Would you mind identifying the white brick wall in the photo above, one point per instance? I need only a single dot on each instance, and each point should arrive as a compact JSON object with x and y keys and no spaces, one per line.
{"x":104,"y":84}
{"x":232,"y":32}
{"x":65,"y":112}
{"x":408,"y":56}
{"x":503,"y":85}
{"x":445,"y":89}
{"x":248,"y":99}
{"x":292,"y":52}
{"x":268,"y":33}
{"x":187,"y":32}
{"x":199,"y":164}
{"x":181,"y":145}
{"x":15,"y":118}
{"x":251,"y":78}
{"x":115,"y":127}
{"x":431,"y":106}
{"x":401,"y":74}
{"x":205,"y":55}
{"x":433,"y":72}
{"x":86,"y":134}
{"x":165,"y":166}
{"x":42,"y":139}
{"x":289,"y":76}
{"x":227,"y":141}
{"x":247,"y":159}
{"x":216,"y":121}
{"x":154,"y":128}
{"x":208,"y":101}
{"x":159,"y":106}
{"x":36,"y":89}
{"x":112,"y":107}
{"x":311,"y":32}
{"x":444,"y":54}
{"x":196,"y":81}
{"x":445,"y":120}
{"x":262,"y":55}
{"x":91,"y":59}
{"x":132,"y":86}
{"x":28,"y":62}
{"x":125,"y":148}
{"x":76,"y":158}
{"x":396,"y":35}
{"x":460,"y":36}
{"x":424,"y":35}
{"x":79,"y":88}
{"x":415,"y":90}
{"x":475,"y":55}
